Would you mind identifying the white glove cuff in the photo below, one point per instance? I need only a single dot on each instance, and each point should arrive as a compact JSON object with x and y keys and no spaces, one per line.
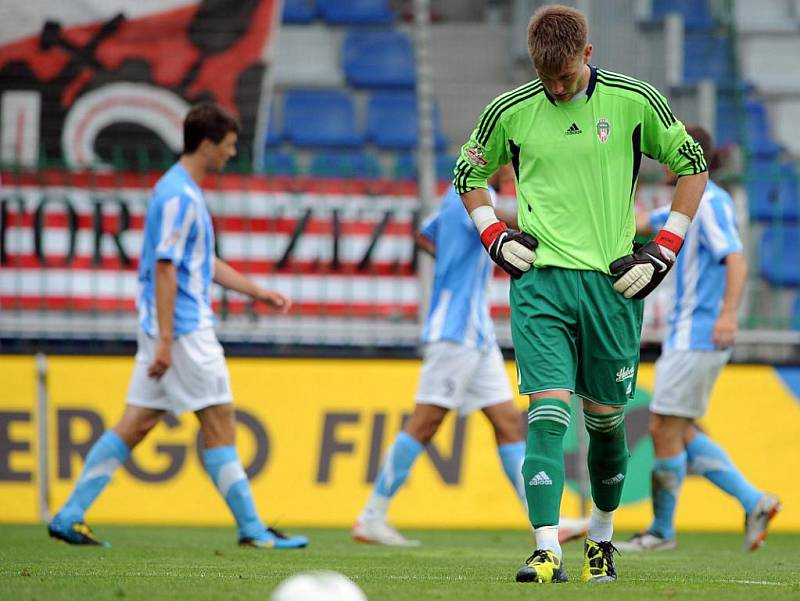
{"x":483,"y":216}
{"x":677,"y":223}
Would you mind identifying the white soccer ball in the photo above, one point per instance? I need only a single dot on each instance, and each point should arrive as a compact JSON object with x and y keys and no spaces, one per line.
{"x":318,"y":586}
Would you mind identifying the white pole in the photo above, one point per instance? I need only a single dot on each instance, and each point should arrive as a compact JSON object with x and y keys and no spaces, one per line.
{"x":42,"y":439}
{"x":426,"y":166}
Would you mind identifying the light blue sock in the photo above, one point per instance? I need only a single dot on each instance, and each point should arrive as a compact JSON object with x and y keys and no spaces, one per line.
{"x":401,"y":456}
{"x":105,"y":456}
{"x":708,"y":459}
{"x":512,"y":455}
{"x":667,"y":477}
{"x":225,"y":469}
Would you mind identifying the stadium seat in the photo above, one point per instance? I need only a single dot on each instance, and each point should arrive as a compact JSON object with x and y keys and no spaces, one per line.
{"x":299,"y":12}
{"x":356,"y":12}
{"x":274,"y":129}
{"x":405,"y":167}
{"x":277,"y":162}
{"x":379,"y":59}
{"x":345,"y":164}
{"x":796,"y":313}
{"x":778,"y":256}
{"x":707,"y":57}
{"x":392,"y":121}
{"x":320,"y":119}
{"x":730,"y":119}
{"x":696,"y":13}
{"x":772,"y":191}
{"x":759,"y":140}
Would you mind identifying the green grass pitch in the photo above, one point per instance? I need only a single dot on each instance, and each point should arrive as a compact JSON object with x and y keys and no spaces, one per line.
{"x":155,"y":564}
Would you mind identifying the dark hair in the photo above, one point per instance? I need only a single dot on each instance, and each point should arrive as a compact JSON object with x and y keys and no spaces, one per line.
{"x":702,"y":137}
{"x":556,"y":35}
{"x":207,"y":121}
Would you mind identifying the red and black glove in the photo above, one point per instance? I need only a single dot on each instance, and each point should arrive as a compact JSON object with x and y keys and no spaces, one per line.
{"x":641,"y":271}
{"x":512,"y":250}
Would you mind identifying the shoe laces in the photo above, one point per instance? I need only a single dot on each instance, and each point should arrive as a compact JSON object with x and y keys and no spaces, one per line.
{"x":277,"y":533}
{"x":603,"y":559}
{"x":538,"y":556}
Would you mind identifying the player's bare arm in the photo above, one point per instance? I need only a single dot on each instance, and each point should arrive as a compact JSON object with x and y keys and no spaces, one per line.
{"x":227,"y":277}
{"x":724,"y":333}
{"x":425,"y":244}
{"x":166,"y":290}
{"x":508,"y":217}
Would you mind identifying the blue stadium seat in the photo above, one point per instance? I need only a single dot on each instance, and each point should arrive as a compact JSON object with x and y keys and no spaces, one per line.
{"x":707,"y":57}
{"x":278,"y":162}
{"x":379,"y":59}
{"x":405,"y":166}
{"x":356,"y":12}
{"x":796,"y":313}
{"x":772,"y":191}
{"x":274,"y":130}
{"x":392,"y":121}
{"x":730,"y":120}
{"x":696,"y":13}
{"x":778,"y":256}
{"x":445,"y":164}
{"x":346,"y":164}
{"x":759,"y":140}
{"x":299,"y":12}
{"x":314,"y":118}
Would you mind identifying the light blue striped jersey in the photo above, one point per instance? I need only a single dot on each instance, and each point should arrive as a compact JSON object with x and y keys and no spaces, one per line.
{"x":459,"y":309}
{"x":178,"y":228}
{"x":699,"y":273}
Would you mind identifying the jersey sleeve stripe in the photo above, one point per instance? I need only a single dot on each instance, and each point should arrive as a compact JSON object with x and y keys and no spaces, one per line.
{"x":691,"y":160}
{"x":666,"y":117}
{"x":487,"y":114}
{"x":498,"y":110}
{"x":654,"y":93}
{"x":463,"y":171}
{"x":701,"y":159}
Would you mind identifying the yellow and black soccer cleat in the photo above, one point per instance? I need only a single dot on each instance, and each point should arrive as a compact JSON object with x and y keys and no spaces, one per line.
{"x":542,"y":566}
{"x":598,"y":561}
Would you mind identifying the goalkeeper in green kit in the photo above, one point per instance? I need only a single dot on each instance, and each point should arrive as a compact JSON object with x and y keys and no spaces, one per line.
{"x":575,"y":137}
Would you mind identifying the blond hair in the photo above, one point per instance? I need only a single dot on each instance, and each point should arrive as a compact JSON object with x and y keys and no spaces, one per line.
{"x":556,"y":35}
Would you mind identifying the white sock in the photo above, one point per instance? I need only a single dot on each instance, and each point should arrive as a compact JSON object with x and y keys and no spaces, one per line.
{"x":376,"y":508}
{"x":601,"y":525}
{"x":547,"y":538}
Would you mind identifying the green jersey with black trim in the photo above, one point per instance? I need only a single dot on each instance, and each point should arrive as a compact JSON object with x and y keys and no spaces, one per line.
{"x":577,"y":163}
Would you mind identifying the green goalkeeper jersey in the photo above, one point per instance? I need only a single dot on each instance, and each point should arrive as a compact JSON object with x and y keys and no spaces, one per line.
{"x":577,"y":163}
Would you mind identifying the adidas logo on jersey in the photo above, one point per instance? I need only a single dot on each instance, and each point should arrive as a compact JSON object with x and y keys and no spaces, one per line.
{"x":541,"y":479}
{"x":573,"y":129}
{"x":615,"y":480}
{"x":624,"y":373}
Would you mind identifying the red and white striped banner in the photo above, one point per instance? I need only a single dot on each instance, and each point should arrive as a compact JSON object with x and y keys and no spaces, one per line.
{"x":74,"y":244}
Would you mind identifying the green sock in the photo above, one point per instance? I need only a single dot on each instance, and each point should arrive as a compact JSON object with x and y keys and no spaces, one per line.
{"x":608,"y":457}
{"x":543,"y":468}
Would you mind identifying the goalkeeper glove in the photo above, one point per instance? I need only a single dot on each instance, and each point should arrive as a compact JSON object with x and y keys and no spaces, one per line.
{"x":512,"y":250}
{"x":641,"y":271}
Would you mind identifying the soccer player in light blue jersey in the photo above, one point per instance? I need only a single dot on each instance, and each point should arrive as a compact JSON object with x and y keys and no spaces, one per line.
{"x":701,"y":330}
{"x":462,"y":369}
{"x":180,"y":365}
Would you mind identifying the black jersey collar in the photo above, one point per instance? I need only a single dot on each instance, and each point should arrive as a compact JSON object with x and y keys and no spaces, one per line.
{"x":589,"y":88}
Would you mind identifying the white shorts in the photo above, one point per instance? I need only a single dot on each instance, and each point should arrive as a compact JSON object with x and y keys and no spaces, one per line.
{"x":684,"y":380}
{"x":455,"y":376}
{"x":197,"y":378}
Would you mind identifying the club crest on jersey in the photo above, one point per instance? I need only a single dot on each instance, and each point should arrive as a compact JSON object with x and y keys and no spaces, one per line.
{"x":603,"y":130}
{"x":475,"y":156}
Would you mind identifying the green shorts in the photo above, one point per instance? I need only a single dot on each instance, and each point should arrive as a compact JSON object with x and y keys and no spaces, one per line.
{"x":573,"y":331}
